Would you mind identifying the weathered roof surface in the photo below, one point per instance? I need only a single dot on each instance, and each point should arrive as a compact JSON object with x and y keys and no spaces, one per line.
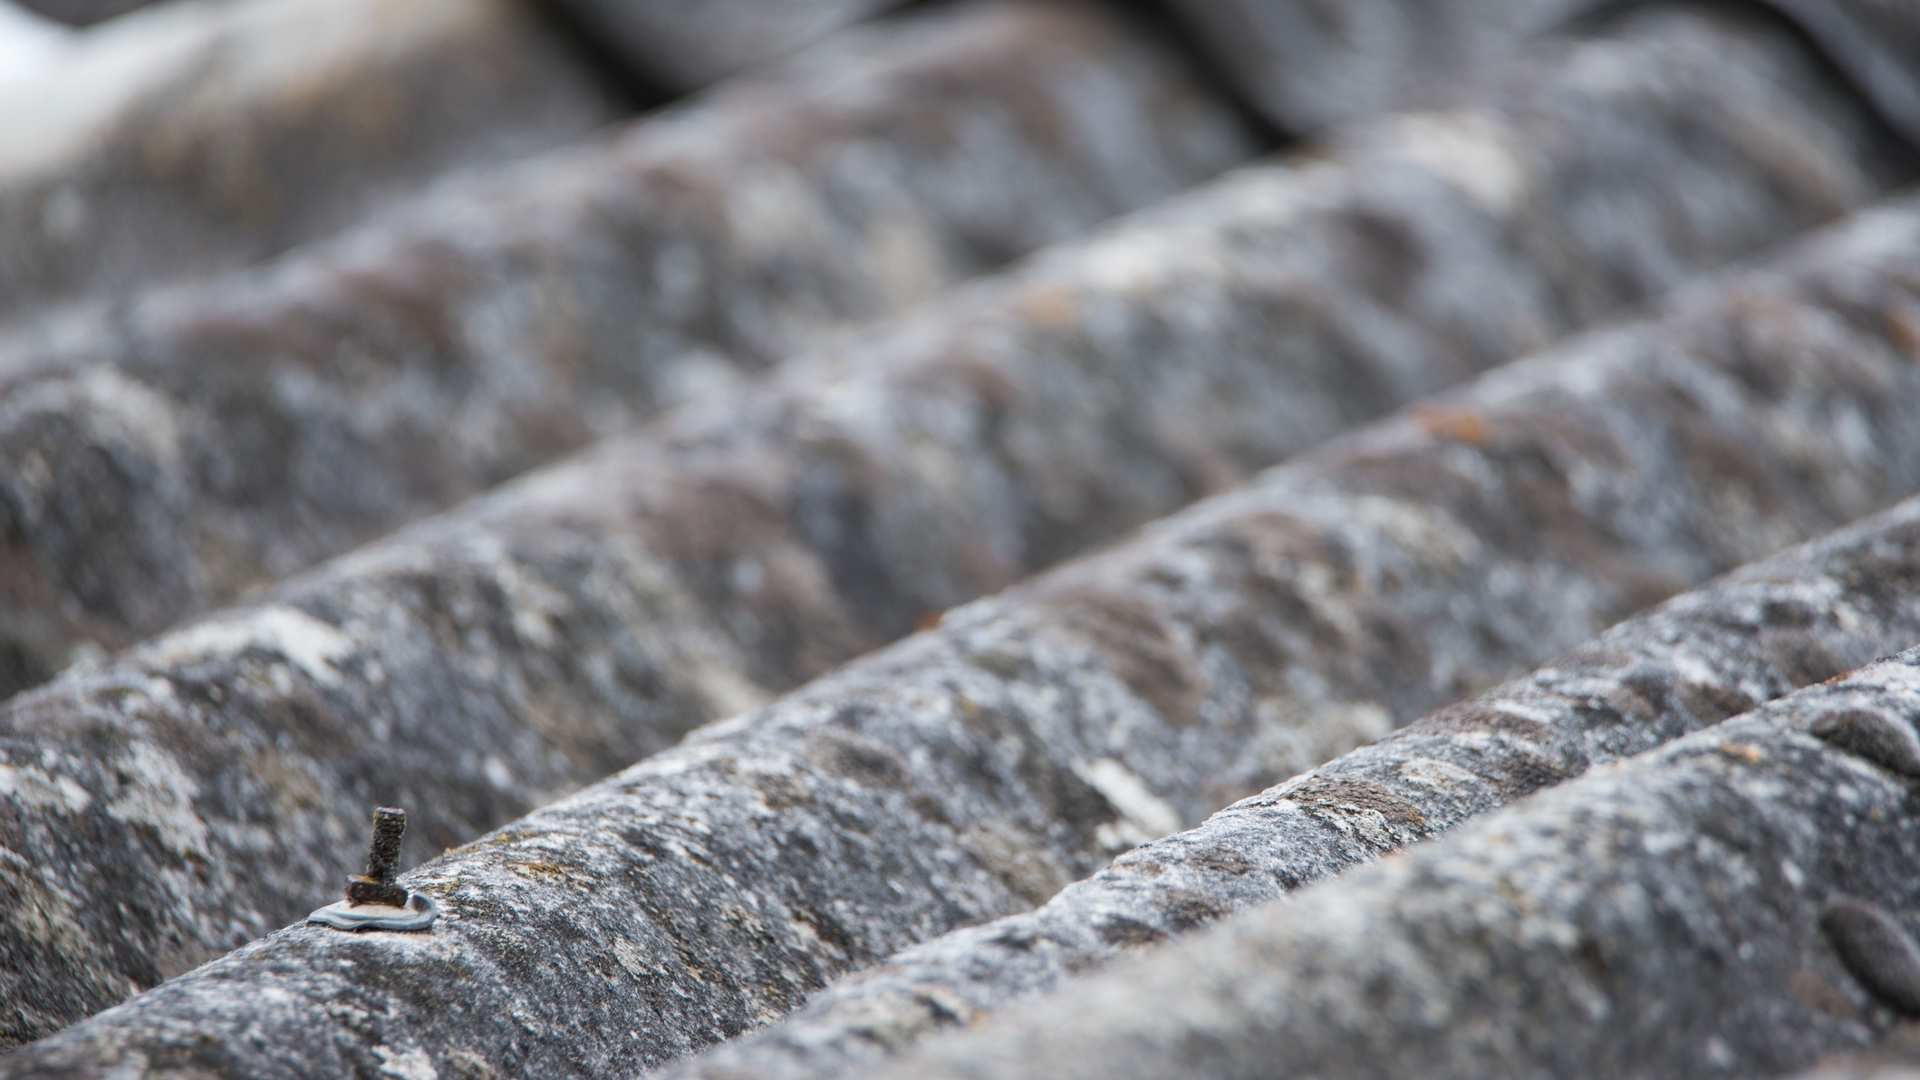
{"x":212,"y":439}
{"x":1307,"y":64}
{"x":1725,"y":904}
{"x":195,"y":137}
{"x":502,"y":655}
{"x":856,"y":439}
{"x":973,"y":770}
{"x":81,"y":12}
{"x":1310,"y":64}
{"x":687,"y":45}
{"x":670,"y":44}
{"x":1876,"y":42}
{"x":1894,"y":1059}
{"x":1782,"y":623}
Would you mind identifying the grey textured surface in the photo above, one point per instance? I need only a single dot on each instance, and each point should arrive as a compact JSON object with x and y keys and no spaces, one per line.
{"x":1785,"y":622}
{"x":227,"y":435}
{"x":684,"y":46}
{"x":489,"y":661}
{"x":82,"y":12}
{"x":1308,"y":64}
{"x":1877,"y":44}
{"x":203,"y":135}
{"x":967,"y":772}
{"x":1740,"y":902}
{"x":1897,"y":1057}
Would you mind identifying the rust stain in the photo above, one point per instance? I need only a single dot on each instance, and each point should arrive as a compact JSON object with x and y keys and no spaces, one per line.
{"x":1449,"y":423}
{"x":1904,"y":329}
{"x":547,"y":871}
{"x":1049,"y":305}
{"x":1817,"y":993}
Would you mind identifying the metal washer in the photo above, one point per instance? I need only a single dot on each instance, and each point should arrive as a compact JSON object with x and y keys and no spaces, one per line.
{"x":417,"y":915}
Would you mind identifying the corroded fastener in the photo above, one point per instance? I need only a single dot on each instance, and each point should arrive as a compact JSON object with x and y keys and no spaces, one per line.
{"x":376,"y":886}
{"x":374,"y":900}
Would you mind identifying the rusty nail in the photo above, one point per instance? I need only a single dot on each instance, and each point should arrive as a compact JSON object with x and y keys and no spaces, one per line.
{"x":376,"y":886}
{"x":372,"y":896}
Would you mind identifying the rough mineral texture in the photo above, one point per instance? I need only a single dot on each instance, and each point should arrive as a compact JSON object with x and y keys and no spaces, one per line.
{"x":1876,"y":43}
{"x":233,"y":434}
{"x":1896,"y":1058}
{"x":683,"y":46}
{"x":81,"y":12}
{"x":197,"y":137}
{"x":487,"y":662}
{"x":1772,"y":627}
{"x":968,"y":772}
{"x":1307,"y":64}
{"x":1864,"y":1068}
{"x":1738,"y":903}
